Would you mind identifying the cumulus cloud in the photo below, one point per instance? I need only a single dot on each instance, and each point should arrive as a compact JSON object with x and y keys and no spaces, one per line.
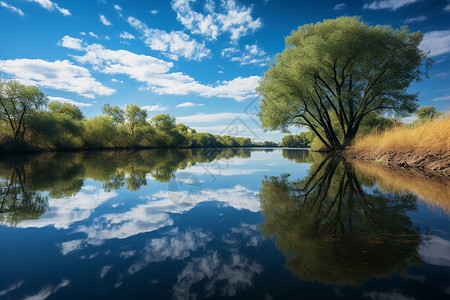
{"x":388,"y":4}
{"x":437,"y":42}
{"x":64,"y":212}
{"x":155,"y":74}
{"x":64,"y":100}
{"x":251,"y":55}
{"x":104,"y":20}
{"x":71,"y":43}
{"x":227,"y":17}
{"x":154,"y":11}
{"x":93,"y":35}
{"x":157,"y":107}
{"x":173,"y":44}
{"x":127,"y":36}
{"x":51,"y":6}
{"x":59,"y":75}
{"x":12,"y":8}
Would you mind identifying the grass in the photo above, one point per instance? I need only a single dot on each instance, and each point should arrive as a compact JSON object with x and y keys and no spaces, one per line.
{"x":433,"y":192}
{"x":433,"y":136}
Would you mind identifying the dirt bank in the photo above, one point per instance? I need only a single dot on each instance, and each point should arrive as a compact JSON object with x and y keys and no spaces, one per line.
{"x":434,"y":164}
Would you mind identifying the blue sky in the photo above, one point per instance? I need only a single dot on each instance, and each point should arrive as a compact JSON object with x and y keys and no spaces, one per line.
{"x":197,"y":60}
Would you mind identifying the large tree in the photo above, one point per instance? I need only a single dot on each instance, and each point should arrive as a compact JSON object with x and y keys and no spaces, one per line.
{"x":341,"y":69}
{"x":16,"y":103}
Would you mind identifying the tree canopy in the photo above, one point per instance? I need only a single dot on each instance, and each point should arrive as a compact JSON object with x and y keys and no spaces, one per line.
{"x":341,"y":69}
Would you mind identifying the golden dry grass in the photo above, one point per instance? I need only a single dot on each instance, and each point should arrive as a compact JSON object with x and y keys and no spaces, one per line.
{"x":433,"y":136}
{"x":433,"y":192}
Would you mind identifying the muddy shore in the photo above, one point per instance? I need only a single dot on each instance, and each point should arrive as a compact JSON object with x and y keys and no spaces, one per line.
{"x":433,"y":164}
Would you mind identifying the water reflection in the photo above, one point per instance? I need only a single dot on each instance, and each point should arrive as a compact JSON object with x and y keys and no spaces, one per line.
{"x":105,"y":224}
{"x":332,"y":230}
{"x":27,"y":182}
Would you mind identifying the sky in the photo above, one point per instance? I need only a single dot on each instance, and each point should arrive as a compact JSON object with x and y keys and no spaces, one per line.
{"x":199,"y":61}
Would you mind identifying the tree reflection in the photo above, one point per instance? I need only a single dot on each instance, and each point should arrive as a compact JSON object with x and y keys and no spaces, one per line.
{"x":333,"y":231}
{"x":24,"y":180}
{"x":18,"y":204}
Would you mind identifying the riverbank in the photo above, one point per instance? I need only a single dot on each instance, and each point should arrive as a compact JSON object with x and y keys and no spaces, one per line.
{"x":425,"y":148}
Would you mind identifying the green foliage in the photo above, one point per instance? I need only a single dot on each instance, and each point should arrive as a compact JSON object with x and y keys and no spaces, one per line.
{"x":25,"y":127}
{"x":135,"y":116}
{"x":343,"y":70}
{"x":116,"y":113}
{"x":301,"y":140}
{"x":17,"y":101}
{"x":66,"y":109}
{"x":332,"y":230}
{"x":425,"y":114}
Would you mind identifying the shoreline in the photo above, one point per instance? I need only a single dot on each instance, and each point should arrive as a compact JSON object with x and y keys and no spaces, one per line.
{"x":433,"y":165}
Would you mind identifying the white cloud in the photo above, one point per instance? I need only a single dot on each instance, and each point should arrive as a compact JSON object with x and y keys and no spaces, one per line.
{"x":155,"y":73}
{"x":447,"y":8}
{"x":64,"y":100}
{"x":93,"y":35}
{"x":71,"y":43}
{"x":189,"y":104}
{"x":127,"y":36}
{"x":174,"y":246}
{"x":441,"y":98}
{"x":104,"y":271}
{"x":388,"y":4}
{"x":234,"y":19}
{"x":11,"y":288}
{"x":63,"y":213}
{"x":12,"y":8}
{"x":83,"y":33}
{"x":117,"y":7}
{"x":339,"y":6}
{"x":154,"y":11}
{"x":47,"y":291}
{"x":172,"y":44}
{"x":51,"y":6}
{"x":436,"y":251}
{"x":437,"y":42}
{"x":415,"y":19}
{"x":59,"y":75}
{"x":104,"y":20}
{"x":252,"y":55}
{"x":156,"y":107}
{"x":116,"y":80}
{"x":216,"y":276}
{"x":208,"y":118}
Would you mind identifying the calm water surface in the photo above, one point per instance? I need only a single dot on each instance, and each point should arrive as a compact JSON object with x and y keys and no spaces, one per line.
{"x":242,"y":223}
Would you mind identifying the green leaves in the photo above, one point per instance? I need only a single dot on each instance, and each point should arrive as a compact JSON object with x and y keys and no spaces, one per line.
{"x":342,"y":69}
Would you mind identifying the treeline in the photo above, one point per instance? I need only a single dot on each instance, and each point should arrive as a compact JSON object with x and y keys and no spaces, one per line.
{"x":30,"y":123}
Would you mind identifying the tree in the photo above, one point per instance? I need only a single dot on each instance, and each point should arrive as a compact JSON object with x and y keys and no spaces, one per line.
{"x":116,"y":113}
{"x":303,"y":140}
{"x":66,"y":109}
{"x":135,"y":116}
{"x":332,"y":230}
{"x":341,"y":68}
{"x":16,"y":102}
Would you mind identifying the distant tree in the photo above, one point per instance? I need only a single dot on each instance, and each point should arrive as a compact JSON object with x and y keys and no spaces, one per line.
{"x":164,"y":122}
{"x":341,"y":68}
{"x":66,"y":109}
{"x":301,"y":140}
{"x":17,"y":101}
{"x":116,"y":113}
{"x":427,"y":112}
{"x":135,"y":116}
